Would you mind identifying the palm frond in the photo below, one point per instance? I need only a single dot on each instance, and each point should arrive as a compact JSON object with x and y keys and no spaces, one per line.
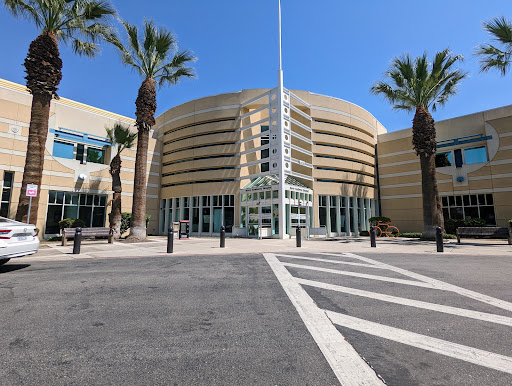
{"x":417,"y":82}
{"x":84,"y":48}
{"x":492,"y":57}
{"x":20,"y":8}
{"x":155,"y":55}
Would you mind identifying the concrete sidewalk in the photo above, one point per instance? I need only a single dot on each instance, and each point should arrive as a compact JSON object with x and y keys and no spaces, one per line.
{"x":157,"y":246}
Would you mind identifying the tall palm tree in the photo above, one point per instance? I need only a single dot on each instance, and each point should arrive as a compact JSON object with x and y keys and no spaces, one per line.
{"x":121,"y":138}
{"x":157,"y":59}
{"x":78,"y":22}
{"x":417,"y":85}
{"x":492,"y":57}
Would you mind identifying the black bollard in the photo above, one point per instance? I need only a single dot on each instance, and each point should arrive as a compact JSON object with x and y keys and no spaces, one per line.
{"x":439,"y":239}
{"x":298,"y":237}
{"x":373,"y":244}
{"x":77,"y":241}
{"x":170,"y":240}
{"x":223,"y":236}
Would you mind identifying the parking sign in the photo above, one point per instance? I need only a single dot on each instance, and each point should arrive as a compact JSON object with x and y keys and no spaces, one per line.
{"x":32,"y":190}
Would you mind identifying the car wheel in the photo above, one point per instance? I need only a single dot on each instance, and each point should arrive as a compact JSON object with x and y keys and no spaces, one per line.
{"x":3,"y":261}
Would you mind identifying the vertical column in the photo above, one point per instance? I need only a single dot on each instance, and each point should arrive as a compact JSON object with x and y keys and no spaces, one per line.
{"x":166,"y":215}
{"x":368,"y":213}
{"x":348,"y":215}
{"x":338,"y":225}
{"x":355,"y":214}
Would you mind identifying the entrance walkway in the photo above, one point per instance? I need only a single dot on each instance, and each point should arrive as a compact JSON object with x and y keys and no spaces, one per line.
{"x":156,"y":246}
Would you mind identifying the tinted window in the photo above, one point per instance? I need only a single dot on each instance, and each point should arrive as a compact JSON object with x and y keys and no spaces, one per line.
{"x":63,"y":150}
{"x":444,"y":159}
{"x":95,"y":155}
{"x":475,"y":155}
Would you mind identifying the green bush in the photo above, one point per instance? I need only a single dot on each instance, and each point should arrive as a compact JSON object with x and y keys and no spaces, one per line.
{"x":451,"y":224}
{"x":411,"y":235}
{"x":510,"y":223}
{"x":126,"y":219}
{"x":376,"y":219}
{"x":72,"y":223}
{"x":78,"y":223}
{"x":364,"y":233}
{"x":66,"y":223}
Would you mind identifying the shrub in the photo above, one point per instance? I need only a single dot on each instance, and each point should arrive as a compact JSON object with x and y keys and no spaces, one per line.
{"x":364,"y":233}
{"x":66,"y":223}
{"x":78,"y":223}
{"x":376,"y":219}
{"x":451,"y":224}
{"x":411,"y":235}
{"x":126,"y":219}
{"x":510,"y":223}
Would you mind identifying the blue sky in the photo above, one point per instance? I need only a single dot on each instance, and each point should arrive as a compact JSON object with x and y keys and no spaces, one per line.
{"x":332,"y":47}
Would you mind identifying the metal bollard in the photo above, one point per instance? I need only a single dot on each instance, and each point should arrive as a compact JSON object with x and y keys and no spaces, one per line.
{"x":439,"y":239}
{"x":298,"y":237}
{"x":77,"y":241}
{"x":223,"y":236}
{"x":170,"y":240}
{"x":373,"y":244}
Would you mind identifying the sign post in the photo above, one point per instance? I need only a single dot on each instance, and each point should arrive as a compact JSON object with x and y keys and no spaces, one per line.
{"x":31,"y":192}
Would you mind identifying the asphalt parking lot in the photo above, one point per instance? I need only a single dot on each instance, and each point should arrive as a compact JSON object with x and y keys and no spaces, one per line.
{"x":329,"y":313}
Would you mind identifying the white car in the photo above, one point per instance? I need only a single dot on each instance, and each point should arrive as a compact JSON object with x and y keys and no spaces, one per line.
{"x":16,"y":239}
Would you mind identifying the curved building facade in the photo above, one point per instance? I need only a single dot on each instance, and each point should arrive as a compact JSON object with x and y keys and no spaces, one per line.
{"x":262,"y":161}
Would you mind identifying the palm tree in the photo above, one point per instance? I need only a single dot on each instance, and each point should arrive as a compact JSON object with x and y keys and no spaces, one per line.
{"x":78,"y":22}
{"x":417,"y":85}
{"x":121,"y":137}
{"x":492,"y":57}
{"x":157,"y":59}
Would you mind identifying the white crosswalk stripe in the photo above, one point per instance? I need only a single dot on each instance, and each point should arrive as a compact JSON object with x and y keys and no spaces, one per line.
{"x":337,"y":352}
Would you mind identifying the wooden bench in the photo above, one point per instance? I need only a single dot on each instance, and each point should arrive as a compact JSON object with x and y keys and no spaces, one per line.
{"x":484,"y":231}
{"x":88,"y":232}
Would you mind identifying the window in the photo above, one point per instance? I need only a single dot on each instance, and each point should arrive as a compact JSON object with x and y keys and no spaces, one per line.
{"x":470,"y":206}
{"x":475,"y":155}
{"x":265,"y":166}
{"x":322,"y":203}
{"x":471,"y":156}
{"x":444,"y":159}
{"x":90,"y":208}
{"x":79,"y":151}
{"x":63,"y":150}
{"x":6,"y":194}
{"x":95,"y":155}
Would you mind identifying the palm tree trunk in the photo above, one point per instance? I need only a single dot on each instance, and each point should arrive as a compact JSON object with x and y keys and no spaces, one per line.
{"x":138,"y":221}
{"x":432,"y":209}
{"x":424,"y":141}
{"x":44,"y":73}
{"x":115,"y":214}
{"x":145,"y":113}
{"x":33,"y":173}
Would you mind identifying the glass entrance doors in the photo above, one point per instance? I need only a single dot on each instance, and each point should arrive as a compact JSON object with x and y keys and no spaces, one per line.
{"x":259,"y":221}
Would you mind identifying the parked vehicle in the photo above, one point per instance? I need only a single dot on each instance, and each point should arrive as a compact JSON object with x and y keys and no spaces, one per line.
{"x":16,"y":239}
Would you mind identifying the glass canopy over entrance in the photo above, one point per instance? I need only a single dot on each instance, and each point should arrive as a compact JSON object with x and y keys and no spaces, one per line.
{"x":260,"y":211}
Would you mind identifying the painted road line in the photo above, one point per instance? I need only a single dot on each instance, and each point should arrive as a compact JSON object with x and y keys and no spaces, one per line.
{"x":361,"y":275}
{"x":347,"y":365}
{"x":453,"y":350}
{"x":330,"y":261}
{"x":498,"y":319}
{"x":439,"y":284}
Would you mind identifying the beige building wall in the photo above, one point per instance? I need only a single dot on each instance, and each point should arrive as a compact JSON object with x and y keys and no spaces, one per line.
{"x":202,"y":148}
{"x":61,"y":174}
{"x":400,"y":177}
